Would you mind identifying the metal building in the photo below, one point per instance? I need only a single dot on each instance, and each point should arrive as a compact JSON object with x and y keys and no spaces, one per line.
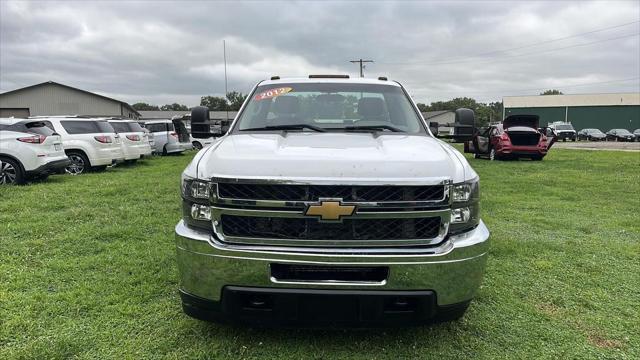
{"x":51,"y":98}
{"x":600,"y":111}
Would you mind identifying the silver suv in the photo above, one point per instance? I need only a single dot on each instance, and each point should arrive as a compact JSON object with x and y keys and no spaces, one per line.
{"x":170,"y":136}
{"x":329,"y":201}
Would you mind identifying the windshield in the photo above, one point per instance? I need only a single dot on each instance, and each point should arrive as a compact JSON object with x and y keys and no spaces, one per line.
{"x":330,"y":107}
{"x":622,"y":131}
{"x":564,"y":127}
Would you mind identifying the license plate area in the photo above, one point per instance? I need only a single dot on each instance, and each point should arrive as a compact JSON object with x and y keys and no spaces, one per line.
{"x":352,"y":275}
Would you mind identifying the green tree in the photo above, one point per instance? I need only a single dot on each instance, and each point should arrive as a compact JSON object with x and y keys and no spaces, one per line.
{"x":235,"y":100}
{"x":485,"y":113}
{"x":422,"y":107}
{"x":144,"y":107}
{"x":175,"y":107}
{"x":214,"y":103}
{"x":551,"y":92}
{"x":232,"y":102}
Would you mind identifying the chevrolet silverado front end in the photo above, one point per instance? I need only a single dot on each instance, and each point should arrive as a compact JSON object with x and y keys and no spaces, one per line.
{"x":329,"y":202}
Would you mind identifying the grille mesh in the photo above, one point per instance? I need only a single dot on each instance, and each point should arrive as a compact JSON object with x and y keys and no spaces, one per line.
{"x":346,"y":193}
{"x":312,"y":229}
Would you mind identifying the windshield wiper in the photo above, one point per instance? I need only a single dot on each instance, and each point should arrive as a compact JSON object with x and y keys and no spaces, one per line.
{"x":372,"y":127}
{"x":287,"y":127}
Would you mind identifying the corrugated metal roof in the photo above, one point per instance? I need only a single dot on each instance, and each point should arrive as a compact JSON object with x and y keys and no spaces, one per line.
{"x":72,"y":88}
{"x":571,"y":100}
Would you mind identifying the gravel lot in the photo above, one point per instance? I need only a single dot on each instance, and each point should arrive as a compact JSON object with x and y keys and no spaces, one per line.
{"x":599,"y":145}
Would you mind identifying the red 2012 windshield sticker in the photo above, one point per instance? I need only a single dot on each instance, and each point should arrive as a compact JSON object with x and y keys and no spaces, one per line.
{"x":272,"y":93}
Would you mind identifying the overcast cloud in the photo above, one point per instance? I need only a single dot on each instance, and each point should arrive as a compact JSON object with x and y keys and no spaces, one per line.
{"x":161,"y":52}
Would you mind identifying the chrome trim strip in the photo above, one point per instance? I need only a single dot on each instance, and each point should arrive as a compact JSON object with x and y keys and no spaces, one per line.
{"x":329,"y":282}
{"x":354,"y":256}
{"x":217,"y":212}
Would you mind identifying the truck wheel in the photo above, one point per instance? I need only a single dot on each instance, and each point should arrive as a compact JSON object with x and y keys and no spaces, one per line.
{"x":197,"y":145}
{"x":79,"y":163}
{"x":11,"y":172}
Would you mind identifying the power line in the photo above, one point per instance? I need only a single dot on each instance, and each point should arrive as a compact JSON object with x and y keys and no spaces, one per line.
{"x":522,"y":46}
{"x":361,"y":62}
{"x":517,"y":55}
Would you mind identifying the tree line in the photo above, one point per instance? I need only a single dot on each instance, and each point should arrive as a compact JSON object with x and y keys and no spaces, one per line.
{"x":232,"y":102}
{"x":485,"y":112}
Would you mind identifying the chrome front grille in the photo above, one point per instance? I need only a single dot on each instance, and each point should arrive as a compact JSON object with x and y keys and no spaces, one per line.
{"x":246,"y":212}
{"x":348,"y":229}
{"x":286,"y":192}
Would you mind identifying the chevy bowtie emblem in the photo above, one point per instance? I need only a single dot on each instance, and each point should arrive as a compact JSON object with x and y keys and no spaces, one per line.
{"x":330,"y":210}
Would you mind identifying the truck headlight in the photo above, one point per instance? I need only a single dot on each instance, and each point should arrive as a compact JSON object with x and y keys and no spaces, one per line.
{"x":465,"y":209}
{"x":460,"y":215}
{"x":196,"y":188}
{"x":465,"y":191}
{"x":200,"y":212}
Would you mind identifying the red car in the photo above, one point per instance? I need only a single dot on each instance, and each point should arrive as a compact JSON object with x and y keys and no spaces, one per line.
{"x":517,"y":137}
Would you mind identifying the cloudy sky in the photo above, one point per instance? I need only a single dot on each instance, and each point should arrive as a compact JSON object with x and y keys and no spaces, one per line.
{"x":163,"y":51}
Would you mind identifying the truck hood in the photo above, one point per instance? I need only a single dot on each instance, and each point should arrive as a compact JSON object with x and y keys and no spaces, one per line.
{"x":345,"y":158}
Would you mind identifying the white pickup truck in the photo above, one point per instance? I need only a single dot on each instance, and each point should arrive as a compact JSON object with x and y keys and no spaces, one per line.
{"x":329,"y":202}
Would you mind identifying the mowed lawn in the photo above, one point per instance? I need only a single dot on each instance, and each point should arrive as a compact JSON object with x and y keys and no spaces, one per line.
{"x":87,"y":270}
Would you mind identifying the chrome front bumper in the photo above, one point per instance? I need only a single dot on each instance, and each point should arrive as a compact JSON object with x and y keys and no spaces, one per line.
{"x":453,"y":270}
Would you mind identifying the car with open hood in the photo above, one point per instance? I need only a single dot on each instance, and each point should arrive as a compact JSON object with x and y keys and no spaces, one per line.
{"x":620,"y":135}
{"x":591,"y":135}
{"x":328,"y":202}
{"x":518,"y":136}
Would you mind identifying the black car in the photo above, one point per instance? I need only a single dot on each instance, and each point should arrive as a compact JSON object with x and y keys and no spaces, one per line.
{"x":620,"y":135}
{"x":636,"y":133}
{"x":591,"y":135}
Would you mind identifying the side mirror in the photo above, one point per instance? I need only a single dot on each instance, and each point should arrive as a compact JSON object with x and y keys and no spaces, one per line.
{"x":201,"y":126}
{"x":433,"y":126}
{"x":465,"y":124}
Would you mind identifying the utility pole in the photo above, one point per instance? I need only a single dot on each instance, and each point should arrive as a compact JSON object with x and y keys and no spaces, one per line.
{"x":361,"y":62}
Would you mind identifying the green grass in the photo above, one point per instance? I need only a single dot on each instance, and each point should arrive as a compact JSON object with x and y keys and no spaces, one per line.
{"x":87,"y":270}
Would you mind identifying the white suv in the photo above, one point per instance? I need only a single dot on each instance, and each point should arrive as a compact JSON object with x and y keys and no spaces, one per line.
{"x":135,"y":143}
{"x":29,"y":149}
{"x":90,"y":143}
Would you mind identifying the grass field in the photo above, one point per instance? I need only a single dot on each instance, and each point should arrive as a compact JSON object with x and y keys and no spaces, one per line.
{"x":87,"y":270}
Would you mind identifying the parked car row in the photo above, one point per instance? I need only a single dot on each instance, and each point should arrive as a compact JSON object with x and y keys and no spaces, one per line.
{"x":36,"y":147}
{"x":611,"y":135}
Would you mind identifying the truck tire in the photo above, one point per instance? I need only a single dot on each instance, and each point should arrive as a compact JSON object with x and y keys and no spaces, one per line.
{"x":197,"y":145}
